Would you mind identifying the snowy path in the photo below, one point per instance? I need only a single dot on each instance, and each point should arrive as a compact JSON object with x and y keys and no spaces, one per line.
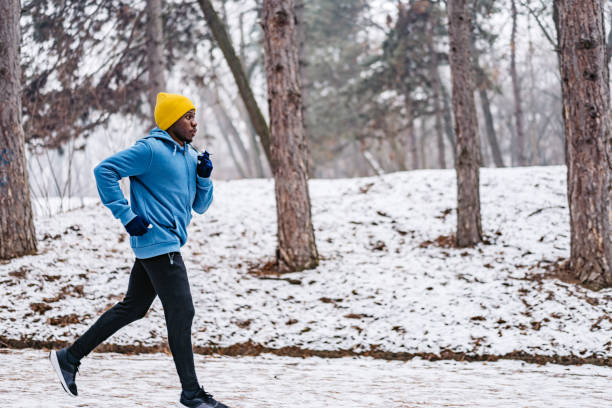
{"x":112,"y":380}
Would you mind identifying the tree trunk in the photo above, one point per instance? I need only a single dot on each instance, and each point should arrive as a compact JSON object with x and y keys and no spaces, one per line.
{"x":296,"y":241}
{"x":218,"y":30}
{"x":226,"y":126}
{"x":435,"y":87}
{"x":422,"y":143}
{"x":17,"y":235}
{"x":469,"y":231}
{"x":448,"y":120}
{"x":255,"y":150}
{"x":586,"y":107}
{"x":222,"y":115}
{"x":155,"y":50}
{"x":411,"y":135}
{"x":490,"y":127}
{"x":482,"y":83}
{"x":516,"y":90}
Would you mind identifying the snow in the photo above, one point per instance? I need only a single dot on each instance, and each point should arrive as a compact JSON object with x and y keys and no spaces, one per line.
{"x":379,"y":284}
{"x":256,"y":382}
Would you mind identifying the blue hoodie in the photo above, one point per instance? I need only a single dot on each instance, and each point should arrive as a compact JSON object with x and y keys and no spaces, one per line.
{"x":164,"y":187}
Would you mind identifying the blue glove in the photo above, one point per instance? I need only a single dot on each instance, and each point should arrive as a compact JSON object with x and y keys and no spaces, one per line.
{"x":205,"y":166}
{"x":138,"y":226}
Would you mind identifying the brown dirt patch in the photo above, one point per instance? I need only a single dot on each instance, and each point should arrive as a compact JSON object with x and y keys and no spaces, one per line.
{"x":250,"y":348}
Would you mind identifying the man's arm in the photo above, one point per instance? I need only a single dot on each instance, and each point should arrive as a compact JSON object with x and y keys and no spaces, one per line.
{"x":204,"y":194}
{"x":130,"y":162}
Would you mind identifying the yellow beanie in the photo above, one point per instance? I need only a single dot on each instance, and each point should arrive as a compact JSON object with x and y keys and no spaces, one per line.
{"x":169,"y":108}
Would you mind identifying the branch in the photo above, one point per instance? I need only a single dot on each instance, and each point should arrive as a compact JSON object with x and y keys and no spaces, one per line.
{"x":223,"y":41}
{"x":542,"y":27}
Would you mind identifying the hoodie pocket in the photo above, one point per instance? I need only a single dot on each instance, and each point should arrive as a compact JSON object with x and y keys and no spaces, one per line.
{"x":172,"y":227}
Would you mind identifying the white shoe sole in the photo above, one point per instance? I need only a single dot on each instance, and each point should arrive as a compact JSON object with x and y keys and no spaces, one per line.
{"x":58,"y":371}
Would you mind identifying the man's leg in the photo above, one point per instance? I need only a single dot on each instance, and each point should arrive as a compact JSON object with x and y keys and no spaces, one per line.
{"x":169,"y":278}
{"x":140,"y":294}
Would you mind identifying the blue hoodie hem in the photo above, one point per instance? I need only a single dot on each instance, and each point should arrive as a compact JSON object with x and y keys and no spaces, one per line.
{"x":161,"y":248}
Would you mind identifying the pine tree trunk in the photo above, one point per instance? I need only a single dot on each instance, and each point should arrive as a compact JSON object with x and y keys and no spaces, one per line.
{"x":467,"y":164}
{"x":296,"y":241}
{"x":516,"y":90}
{"x":17,"y":235}
{"x":155,"y":50}
{"x":586,"y":107}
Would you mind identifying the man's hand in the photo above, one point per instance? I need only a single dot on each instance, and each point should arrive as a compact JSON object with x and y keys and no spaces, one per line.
{"x":205,"y":166}
{"x":138,"y":226}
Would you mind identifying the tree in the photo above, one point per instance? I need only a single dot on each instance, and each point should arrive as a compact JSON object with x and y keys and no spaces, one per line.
{"x":588,"y":137}
{"x":223,"y":40}
{"x":296,"y":242}
{"x":516,"y":90}
{"x":17,"y":235}
{"x":482,"y":10}
{"x":155,"y":50}
{"x":467,"y":164}
{"x":434,"y":77}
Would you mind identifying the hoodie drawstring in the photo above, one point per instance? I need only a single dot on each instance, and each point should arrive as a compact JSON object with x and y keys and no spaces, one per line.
{"x":174,"y":154}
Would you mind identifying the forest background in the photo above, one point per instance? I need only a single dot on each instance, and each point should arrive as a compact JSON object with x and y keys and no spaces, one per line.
{"x":376,"y":80}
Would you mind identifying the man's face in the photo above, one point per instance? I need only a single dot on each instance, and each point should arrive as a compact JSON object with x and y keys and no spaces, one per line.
{"x":184,"y":129}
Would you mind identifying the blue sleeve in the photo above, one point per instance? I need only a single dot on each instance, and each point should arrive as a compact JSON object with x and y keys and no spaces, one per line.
{"x":130,"y":162}
{"x":204,"y":194}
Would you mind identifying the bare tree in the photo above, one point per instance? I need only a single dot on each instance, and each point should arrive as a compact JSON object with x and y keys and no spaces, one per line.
{"x":17,"y":235}
{"x":588,"y":139}
{"x":223,"y":40}
{"x":435,"y":88}
{"x":155,"y":50}
{"x":516,"y":89}
{"x":296,"y":241}
{"x":482,"y":84}
{"x":467,"y":164}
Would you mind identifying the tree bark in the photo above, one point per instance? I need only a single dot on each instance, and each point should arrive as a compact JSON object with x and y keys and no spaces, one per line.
{"x":586,"y":107}
{"x":469,"y":230}
{"x":155,"y":50}
{"x":17,"y":235}
{"x":516,"y":90}
{"x":296,"y":241}
{"x":218,"y":30}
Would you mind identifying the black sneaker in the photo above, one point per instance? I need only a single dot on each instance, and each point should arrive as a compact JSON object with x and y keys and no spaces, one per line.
{"x":66,"y":371}
{"x":200,"y":399}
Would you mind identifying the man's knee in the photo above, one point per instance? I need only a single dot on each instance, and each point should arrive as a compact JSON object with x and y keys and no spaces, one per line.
{"x":181,"y":312}
{"x":139,"y":314}
{"x":132,"y":311}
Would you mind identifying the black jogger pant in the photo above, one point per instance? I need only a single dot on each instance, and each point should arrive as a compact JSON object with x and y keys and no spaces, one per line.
{"x":164,"y":276}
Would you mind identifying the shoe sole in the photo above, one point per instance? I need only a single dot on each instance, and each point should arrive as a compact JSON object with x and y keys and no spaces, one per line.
{"x":58,"y":372}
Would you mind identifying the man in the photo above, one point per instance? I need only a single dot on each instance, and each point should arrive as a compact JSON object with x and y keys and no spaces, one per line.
{"x":167,"y":180}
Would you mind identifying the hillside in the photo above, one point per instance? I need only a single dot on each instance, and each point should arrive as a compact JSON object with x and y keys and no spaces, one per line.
{"x":389,"y":280}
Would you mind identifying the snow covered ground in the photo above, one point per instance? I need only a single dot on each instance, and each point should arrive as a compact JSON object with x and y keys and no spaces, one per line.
{"x":113,"y":380}
{"x":382,"y":284}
